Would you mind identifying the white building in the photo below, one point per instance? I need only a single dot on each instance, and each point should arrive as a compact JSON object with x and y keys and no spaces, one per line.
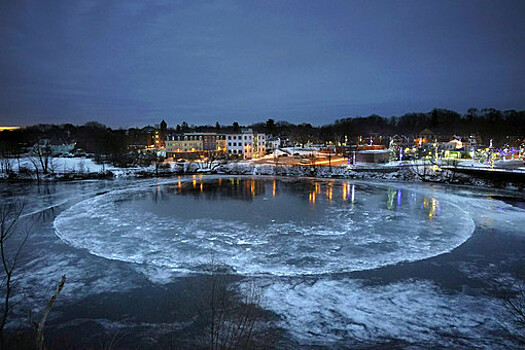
{"x":246,"y":144}
{"x":272,"y":143}
{"x":452,"y":145}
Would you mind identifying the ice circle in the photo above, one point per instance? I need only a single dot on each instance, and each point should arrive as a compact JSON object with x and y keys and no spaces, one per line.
{"x":265,"y":225}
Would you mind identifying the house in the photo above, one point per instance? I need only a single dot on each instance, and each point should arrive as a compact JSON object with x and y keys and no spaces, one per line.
{"x":180,"y":145}
{"x":189,"y":144}
{"x":272,"y":143}
{"x":246,"y":144}
{"x":453,"y":145}
{"x":399,"y":141}
{"x":374,"y":156}
{"x":156,"y":136}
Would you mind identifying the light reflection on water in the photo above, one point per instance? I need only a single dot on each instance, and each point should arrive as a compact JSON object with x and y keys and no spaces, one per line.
{"x":256,"y":224}
{"x":314,"y":192}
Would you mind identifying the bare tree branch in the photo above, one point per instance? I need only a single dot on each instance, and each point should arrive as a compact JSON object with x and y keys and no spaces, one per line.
{"x":9,"y":216}
{"x":40,"y":325}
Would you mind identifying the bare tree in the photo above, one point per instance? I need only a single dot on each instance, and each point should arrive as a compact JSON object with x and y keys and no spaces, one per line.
{"x":312,"y":163}
{"x":276,"y":168}
{"x":34,"y":161}
{"x":39,"y":326}
{"x":230,"y":325}
{"x":12,"y":240}
{"x":515,"y":303}
{"x":220,"y":316}
{"x":41,"y":154}
{"x":6,"y":166}
{"x":312,"y":159}
{"x":209,"y":161}
{"x":9,"y":219}
{"x":421,"y":169}
{"x":110,"y":342}
{"x":8,"y":152}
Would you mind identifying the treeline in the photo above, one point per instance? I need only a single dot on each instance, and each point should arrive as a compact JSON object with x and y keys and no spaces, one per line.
{"x":485,"y":124}
{"x":92,"y":137}
{"x":112,"y":144}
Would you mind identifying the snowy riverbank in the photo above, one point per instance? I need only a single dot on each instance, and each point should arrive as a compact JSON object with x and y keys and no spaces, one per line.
{"x":416,"y":173}
{"x":67,"y":169}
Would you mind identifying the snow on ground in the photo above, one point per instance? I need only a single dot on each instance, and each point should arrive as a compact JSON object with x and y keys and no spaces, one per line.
{"x":82,"y":165}
{"x":393,"y":171}
{"x":471,"y":163}
{"x":502,"y":165}
{"x":278,"y":152}
{"x":62,"y":165}
{"x":290,"y":151}
{"x":300,"y":151}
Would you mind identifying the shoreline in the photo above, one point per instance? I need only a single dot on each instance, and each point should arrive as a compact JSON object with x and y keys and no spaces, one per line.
{"x":417,"y":173}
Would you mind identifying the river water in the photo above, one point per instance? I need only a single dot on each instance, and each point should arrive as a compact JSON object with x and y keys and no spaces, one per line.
{"x":338,"y":263}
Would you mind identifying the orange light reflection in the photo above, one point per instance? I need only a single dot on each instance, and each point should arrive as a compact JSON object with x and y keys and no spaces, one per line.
{"x":311,"y":198}
{"x":329,"y":194}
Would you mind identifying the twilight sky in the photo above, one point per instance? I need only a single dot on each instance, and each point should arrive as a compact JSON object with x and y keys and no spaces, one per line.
{"x":132,"y":63}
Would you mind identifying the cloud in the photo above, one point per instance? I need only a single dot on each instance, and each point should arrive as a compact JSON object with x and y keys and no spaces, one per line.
{"x":301,"y":59}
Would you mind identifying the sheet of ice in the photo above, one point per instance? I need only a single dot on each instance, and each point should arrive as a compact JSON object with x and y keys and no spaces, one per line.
{"x":348,"y":312}
{"x":356,"y":232}
{"x":485,"y":211}
{"x":35,"y":199}
{"x":50,"y":195}
{"x":339,"y":310}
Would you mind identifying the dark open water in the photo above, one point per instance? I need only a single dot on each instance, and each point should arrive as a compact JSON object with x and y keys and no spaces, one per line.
{"x":335,"y":263}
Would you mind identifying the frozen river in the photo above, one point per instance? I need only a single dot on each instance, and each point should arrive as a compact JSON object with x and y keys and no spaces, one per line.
{"x":338,"y":262}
